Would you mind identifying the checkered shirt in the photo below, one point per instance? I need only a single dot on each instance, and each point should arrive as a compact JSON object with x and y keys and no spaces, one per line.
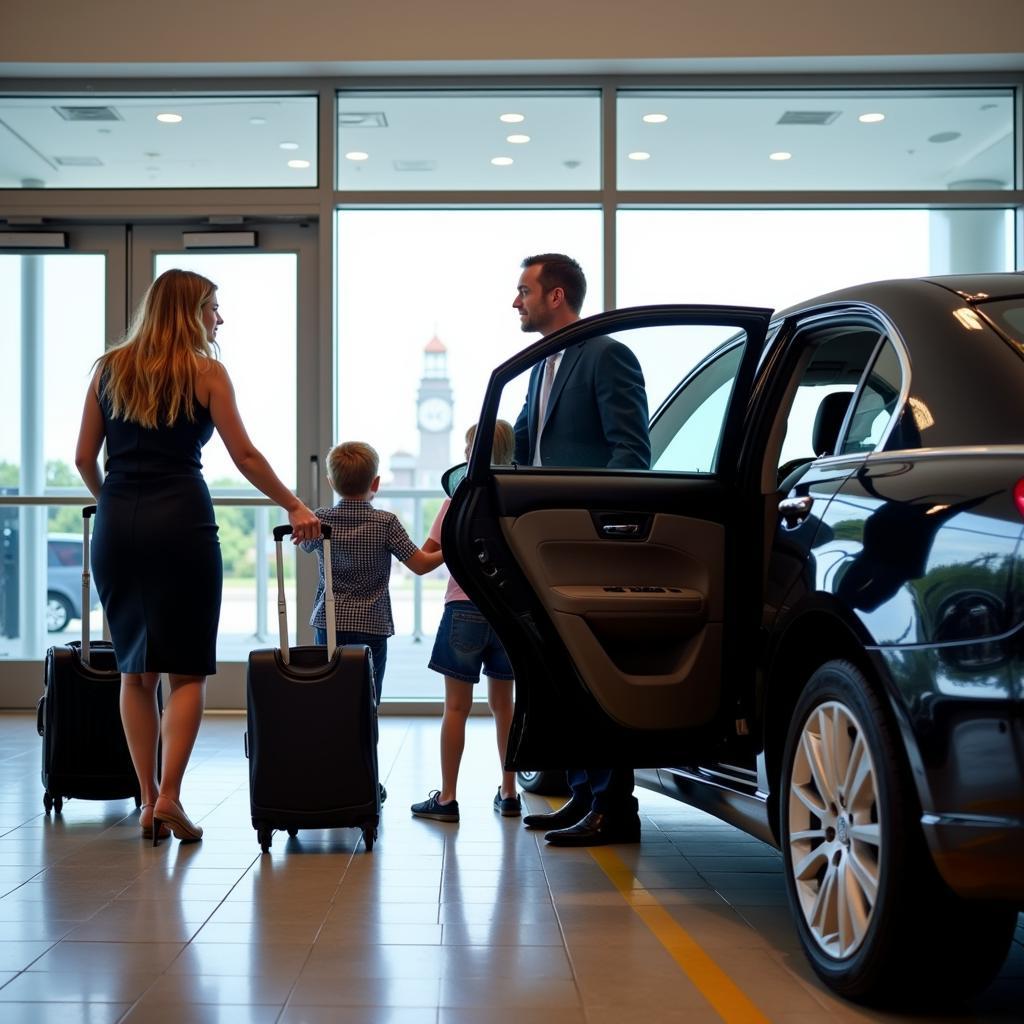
{"x":363,"y":539}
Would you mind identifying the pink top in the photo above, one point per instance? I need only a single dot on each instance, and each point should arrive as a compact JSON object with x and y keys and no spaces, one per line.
{"x":454,"y":591}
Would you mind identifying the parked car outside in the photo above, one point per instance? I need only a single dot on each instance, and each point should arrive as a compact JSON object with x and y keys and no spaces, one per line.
{"x":64,"y":581}
{"x":806,"y":618}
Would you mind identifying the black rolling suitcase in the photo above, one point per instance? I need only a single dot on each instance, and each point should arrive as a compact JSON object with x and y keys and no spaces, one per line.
{"x":85,"y":753}
{"x":312,"y":730}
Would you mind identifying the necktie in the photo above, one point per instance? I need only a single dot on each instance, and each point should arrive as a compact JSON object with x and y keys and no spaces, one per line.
{"x":542,"y":402}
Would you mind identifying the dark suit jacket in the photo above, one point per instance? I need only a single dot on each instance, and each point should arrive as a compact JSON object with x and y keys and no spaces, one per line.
{"x":597,"y":411}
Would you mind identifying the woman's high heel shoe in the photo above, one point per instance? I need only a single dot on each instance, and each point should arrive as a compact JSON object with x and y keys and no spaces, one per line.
{"x":147,"y":827}
{"x":170,"y":813}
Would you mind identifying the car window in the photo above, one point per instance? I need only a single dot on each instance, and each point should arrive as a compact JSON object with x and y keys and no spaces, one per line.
{"x":832,"y":362}
{"x":874,"y":407}
{"x":63,"y":552}
{"x":602,"y":393}
{"x":685,"y":433}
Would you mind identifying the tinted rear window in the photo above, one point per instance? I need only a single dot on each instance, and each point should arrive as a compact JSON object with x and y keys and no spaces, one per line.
{"x":1009,"y":315}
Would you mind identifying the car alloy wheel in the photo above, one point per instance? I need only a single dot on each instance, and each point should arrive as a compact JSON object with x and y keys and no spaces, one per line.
{"x":875,"y":920}
{"x":546,"y":783}
{"x":58,"y":613}
{"x":835,"y":839}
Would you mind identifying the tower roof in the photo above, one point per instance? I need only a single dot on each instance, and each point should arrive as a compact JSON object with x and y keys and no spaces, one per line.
{"x":435,"y":345}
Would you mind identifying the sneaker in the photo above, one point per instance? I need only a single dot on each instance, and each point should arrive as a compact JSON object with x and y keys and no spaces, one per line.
{"x":433,"y":808}
{"x":508,"y":806}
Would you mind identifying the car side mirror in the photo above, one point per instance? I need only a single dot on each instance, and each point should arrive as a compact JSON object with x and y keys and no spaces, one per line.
{"x":451,"y":478}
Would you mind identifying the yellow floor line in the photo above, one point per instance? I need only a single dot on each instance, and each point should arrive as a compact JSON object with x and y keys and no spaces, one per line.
{"x":729,"y":1001}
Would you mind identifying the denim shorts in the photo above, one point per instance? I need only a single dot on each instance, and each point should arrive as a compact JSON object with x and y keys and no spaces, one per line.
{"x":465,"y":643}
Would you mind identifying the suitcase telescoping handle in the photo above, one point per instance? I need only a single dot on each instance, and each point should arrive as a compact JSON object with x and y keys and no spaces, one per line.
{"x":89,"y":510}
{"x":280,"y":532}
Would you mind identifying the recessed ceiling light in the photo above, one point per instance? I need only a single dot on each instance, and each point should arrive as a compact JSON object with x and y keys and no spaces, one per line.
{"x":943,"y":136}
{"x":517,"y":140}
{"x":639,"y":155}
{"x":298,"y":164}
{"x":501,"y":161}
{"x":357,"y":154}
{"x":871,"y":118}
{"x":257,"y":120}
{"x":654,"y":118}
{"x":781,"y":155}
{"x":512,"y":118}
{"x":169,"y":118}
{"x":287,"y":145}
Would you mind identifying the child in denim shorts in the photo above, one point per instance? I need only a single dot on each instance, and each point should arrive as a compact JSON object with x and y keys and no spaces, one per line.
{"x":465,"y":644}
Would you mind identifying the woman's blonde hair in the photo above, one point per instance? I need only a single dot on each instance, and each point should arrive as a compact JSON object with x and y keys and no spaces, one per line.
{"x":504,"y":447}
{"x":151,"y":376}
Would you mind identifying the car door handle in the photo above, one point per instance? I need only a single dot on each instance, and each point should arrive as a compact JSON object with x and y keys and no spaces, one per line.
{"x":620,"y":529}
{"x":795,"y":510}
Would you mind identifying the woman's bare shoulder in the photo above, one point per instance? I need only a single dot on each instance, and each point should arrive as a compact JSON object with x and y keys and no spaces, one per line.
{"x":212,"y":377}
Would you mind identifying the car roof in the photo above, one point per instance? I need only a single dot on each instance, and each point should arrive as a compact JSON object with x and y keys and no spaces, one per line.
{"x":971,"y":287}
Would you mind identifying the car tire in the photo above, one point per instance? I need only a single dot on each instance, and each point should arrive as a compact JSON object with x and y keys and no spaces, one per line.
{"x":874,"y":918}
{"x":58,"y":612}
{"x":545,"y":783}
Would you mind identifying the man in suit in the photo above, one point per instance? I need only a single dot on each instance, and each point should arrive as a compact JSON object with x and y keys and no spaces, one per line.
{"x":586,"y":406}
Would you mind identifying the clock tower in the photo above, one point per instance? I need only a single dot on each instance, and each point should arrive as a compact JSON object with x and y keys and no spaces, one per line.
{"x":434,"y":415}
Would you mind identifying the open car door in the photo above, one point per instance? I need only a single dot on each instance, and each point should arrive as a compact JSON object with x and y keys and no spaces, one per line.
{"x":620,"y":593}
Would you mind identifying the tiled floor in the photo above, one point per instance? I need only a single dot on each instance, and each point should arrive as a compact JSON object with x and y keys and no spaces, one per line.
{"x":447,"y":924}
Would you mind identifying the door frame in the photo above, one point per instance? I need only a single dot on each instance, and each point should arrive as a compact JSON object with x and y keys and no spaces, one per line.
{"x":129,"y":245}
{"x":145,"y":242}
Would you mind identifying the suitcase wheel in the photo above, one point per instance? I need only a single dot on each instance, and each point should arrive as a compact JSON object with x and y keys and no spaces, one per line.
{"x":265,"y":835}
{"x":369,"y":834}
{"x":293,"y":832}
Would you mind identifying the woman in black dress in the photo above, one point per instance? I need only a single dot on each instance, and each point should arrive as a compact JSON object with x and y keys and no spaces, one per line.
{"x":156,"y":400}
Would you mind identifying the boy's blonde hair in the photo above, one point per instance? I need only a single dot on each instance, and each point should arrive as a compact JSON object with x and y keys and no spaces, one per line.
{"x":351,"y":467}
{"x":504,"y":447}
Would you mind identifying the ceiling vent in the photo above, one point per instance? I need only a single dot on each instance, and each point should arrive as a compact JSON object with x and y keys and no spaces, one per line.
{"x":808,"y":117}
{"x":363,"y":119}
{"x":415,"y":165}
{"x":79,"y":161}
{"x":89,"y":113}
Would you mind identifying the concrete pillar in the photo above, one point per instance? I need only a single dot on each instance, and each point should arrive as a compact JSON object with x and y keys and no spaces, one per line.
{"x":970,"y":241}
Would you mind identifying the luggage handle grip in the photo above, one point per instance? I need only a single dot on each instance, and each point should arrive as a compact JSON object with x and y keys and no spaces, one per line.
{"x":280,"y":532}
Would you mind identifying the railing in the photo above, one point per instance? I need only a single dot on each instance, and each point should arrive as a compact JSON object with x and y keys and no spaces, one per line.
{"x":266,"y":516}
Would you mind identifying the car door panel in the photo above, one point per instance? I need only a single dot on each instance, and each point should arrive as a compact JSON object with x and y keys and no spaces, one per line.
{"x":611,"y":590}
{"x":638,"y":618}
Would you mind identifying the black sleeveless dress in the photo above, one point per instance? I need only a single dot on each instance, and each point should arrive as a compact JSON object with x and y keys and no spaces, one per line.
{"x":155,"y":553}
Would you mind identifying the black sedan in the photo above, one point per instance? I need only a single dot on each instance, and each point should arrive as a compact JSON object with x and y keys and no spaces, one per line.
{"x":807,"y":617}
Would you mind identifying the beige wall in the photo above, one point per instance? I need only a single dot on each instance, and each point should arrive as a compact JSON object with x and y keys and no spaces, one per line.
{"x":331,"y":31}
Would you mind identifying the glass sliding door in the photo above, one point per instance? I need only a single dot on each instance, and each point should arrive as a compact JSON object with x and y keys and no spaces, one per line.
{"x":61,"y":307}
{"x":266,"y":323}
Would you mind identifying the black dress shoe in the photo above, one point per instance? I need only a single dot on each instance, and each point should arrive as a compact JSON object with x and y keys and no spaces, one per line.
{"x":566,"y":815}
{"x":597,"y":829}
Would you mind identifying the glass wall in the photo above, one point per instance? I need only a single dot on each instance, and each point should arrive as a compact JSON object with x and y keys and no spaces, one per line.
{"x":172,"y":141}
{"x":800,"y":139}
{"x":424,"y":314}
{"x":469,"y":140}
{"x":752,"y":194}
{"x":778,"y":257}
